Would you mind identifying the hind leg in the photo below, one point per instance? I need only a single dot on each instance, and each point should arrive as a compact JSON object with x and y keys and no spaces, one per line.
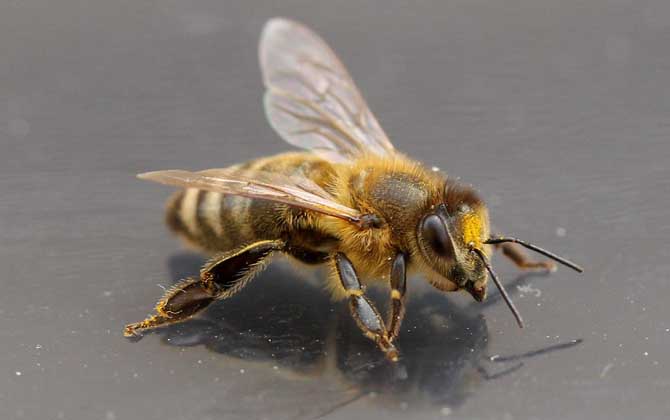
{"x":222,"y":277}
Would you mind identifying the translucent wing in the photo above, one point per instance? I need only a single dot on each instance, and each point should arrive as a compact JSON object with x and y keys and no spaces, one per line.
{"x":311,"y":100}
{"x":294,"y":191}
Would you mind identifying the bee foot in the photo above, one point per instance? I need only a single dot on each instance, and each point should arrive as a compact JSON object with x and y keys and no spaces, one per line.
{"x":132,"y":333}
{"x":541,"y":266}
{"x":390,"y":351}
{"x":392,"y":355}
{"x":547,"y":266}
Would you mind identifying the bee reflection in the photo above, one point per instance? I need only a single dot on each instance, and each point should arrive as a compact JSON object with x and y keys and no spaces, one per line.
{"x":293,"y":324}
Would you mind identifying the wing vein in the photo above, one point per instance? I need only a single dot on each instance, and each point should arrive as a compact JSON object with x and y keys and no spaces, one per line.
{"x":302,"y":72}
{"x":293,"y":191}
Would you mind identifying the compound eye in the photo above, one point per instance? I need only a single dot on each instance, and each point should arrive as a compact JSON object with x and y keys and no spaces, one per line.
{"x":435,"y":234}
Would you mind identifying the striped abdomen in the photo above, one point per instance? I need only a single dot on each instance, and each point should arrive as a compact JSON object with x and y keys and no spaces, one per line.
{"x":208,"y":220}
{"x":216,"y":222}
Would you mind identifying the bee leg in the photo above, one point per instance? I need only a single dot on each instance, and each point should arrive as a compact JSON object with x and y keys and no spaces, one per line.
{"x":365,"y":314}
{"x":220,"y":278}
{"x":398,"y":289}
{"x":515,"y":253}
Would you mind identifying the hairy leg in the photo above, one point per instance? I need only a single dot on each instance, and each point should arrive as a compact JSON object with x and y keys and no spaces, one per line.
{"x":516,"y":253}
{"x":398,"y":289}
{"x":363,"y":311}
{"x":222,"y":277}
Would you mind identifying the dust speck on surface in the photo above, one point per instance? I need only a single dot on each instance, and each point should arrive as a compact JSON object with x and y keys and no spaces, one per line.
{"x":606,"y":369}
{"x":527,"y":288}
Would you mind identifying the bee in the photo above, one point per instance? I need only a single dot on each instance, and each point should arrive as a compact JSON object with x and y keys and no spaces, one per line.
{"x":350,"y":201}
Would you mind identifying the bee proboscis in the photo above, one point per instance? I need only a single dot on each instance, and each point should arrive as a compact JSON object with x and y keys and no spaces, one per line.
{"x":350,"y":201}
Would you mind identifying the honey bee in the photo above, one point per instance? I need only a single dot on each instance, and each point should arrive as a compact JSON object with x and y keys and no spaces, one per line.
{"x":351,"y":201}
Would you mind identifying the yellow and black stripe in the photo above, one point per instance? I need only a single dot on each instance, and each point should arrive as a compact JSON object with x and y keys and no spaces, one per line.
{"x":216,"y":222}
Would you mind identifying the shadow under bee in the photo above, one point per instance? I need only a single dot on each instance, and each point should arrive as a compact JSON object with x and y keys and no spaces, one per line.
{"x":292,"y":323}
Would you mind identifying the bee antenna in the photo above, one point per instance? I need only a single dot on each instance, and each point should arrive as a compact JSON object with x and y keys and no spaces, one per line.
{"x":499,"y":285}
{"x":567,"y":263}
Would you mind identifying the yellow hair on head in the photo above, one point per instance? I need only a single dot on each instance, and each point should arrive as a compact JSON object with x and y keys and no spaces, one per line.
{"x":471,"y":226}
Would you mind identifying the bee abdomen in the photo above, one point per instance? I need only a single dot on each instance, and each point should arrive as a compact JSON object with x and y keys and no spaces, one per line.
{"x":217,"y":222}
{"x":209,"y":220}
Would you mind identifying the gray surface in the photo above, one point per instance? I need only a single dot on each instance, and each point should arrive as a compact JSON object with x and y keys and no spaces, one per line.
{"x":557,"y":111}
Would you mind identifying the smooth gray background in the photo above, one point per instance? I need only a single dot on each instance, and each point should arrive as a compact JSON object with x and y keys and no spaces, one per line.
{"x":558,"y":111}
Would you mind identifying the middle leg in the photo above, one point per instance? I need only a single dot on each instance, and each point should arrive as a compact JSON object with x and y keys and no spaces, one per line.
{"x":398,"y":289}
{"x":363,"y":311}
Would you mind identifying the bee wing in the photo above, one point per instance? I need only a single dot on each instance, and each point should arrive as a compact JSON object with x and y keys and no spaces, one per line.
{"x":294,"y":191}
{"x":311,"y":100}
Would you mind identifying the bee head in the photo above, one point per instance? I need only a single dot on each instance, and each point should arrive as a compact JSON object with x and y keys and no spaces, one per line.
{"x":446,"y":237}
{"x":454,"y":241}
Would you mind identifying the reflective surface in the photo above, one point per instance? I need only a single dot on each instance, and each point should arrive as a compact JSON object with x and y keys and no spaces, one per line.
{"x":557,"y":112}
{"x":446,"y":350}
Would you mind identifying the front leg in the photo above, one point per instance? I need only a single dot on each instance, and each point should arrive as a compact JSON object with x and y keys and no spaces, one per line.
{"x":365,"y":314}
{"x":398,"y":289}
{"x":515,"y":253}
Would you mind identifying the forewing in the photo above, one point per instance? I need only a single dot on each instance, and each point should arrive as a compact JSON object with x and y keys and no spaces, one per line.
{"x":311,"y":100}
{"x":294,"y":191}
